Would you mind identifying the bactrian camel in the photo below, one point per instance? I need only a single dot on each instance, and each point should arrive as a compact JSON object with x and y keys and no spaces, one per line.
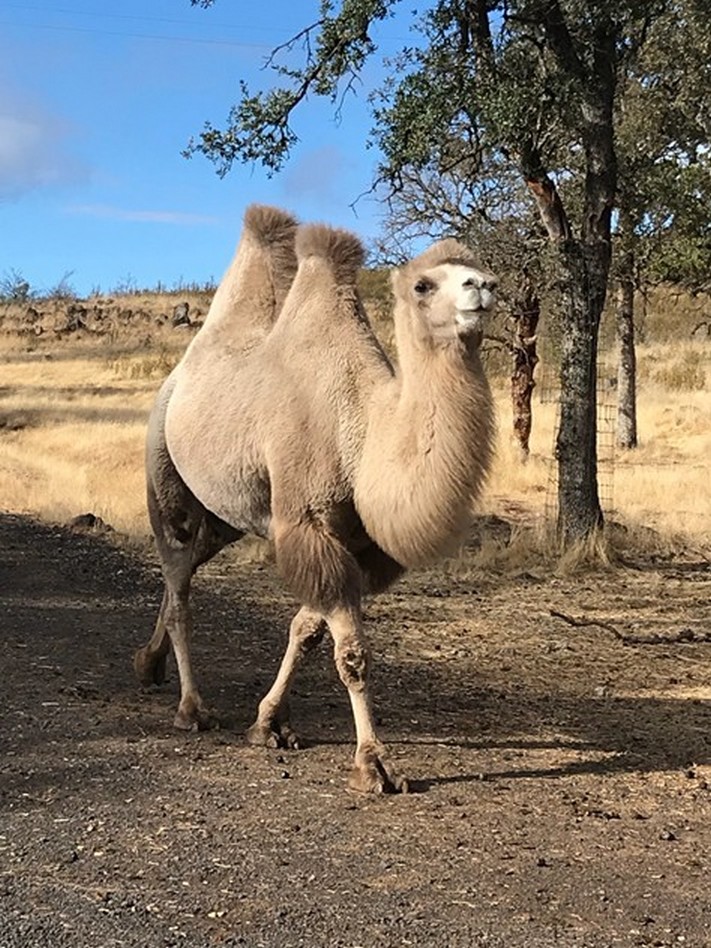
{"x":285,"y":419}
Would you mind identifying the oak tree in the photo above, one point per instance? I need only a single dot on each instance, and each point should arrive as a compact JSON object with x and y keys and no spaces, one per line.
{"x":530,"y":85}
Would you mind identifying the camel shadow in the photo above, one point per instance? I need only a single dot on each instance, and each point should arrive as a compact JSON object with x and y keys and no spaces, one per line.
{"x":75,"y":607}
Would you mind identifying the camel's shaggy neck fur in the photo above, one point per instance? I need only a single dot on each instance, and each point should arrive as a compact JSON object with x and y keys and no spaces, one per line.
{"x":429,"y":439}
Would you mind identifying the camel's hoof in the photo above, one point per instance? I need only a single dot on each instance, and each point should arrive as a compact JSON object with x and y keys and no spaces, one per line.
{"x":278,"y":736}
{"x":149,"y":667}
{"x":373,"y":774}
{"x":195,"y":719}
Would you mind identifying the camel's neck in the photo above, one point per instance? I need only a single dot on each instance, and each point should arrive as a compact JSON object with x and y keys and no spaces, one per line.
{"x":427,"y":451}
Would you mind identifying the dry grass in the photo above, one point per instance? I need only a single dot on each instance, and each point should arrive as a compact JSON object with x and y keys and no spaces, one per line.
{"x":72,"y":425}
{"x":663,"y":484}
{"x":72,"y":429}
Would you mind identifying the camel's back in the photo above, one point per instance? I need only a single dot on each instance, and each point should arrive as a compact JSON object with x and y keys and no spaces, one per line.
{"x":250,"y":429}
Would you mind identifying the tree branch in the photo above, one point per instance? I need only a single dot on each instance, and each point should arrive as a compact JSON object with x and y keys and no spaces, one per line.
{"x":683,"y":635}
{"x":545,"y":193}
{"x":560,"y":40}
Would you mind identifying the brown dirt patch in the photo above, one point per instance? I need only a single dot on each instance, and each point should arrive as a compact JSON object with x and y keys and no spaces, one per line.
{"x":563,"y":778}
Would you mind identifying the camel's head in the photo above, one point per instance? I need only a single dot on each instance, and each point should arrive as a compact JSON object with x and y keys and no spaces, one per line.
{"x":447,"y":294}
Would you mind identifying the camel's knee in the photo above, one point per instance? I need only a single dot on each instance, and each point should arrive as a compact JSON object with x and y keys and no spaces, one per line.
{"x":353,"y":664}
{"x":307,"y":631}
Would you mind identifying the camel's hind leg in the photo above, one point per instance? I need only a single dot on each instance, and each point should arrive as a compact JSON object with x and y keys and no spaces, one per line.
{"x":186,"y":536}
{"x":179,"y":559}
{"x":149,"y":660}
{"x":272,"y":727}
{"x":197,"y":544}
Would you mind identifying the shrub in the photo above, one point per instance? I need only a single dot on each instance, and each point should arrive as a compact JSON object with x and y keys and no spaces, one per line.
{"x":62,"y":289}
{"x":14,"y":288}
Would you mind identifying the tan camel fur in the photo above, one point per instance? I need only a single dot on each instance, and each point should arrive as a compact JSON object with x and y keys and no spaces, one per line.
{"x":307,"y":435}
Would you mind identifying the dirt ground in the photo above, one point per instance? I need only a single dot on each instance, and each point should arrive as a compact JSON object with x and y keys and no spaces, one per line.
{"x":561,"y":778}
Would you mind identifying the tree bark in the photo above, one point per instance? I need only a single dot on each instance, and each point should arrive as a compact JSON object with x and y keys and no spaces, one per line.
{"x":585,"y":264}
{"x":627,"y":361}
{"x":587,"y":269}
{"x":579,"y":511}
{"x":525,"y":360}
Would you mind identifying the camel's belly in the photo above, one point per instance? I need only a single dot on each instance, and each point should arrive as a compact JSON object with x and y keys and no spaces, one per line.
{"x":222,"y":469}
{"x":239,"y":495}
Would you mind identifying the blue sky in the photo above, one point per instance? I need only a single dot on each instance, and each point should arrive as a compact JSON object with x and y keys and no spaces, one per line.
{"x":98,"y":99}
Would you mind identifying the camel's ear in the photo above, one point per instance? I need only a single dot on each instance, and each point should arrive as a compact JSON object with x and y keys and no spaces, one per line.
{"x":397,"y":280}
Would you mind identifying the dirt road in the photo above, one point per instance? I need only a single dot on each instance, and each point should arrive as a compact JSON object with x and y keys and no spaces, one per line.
{"x":562,"y":778}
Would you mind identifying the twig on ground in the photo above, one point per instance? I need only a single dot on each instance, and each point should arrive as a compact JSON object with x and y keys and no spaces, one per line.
{"x":683,"y":635}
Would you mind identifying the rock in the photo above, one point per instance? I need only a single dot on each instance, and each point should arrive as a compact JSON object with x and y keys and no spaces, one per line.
{"x":89,"y":523}
{"x":181,"y":315}
{"x":71,"y":319}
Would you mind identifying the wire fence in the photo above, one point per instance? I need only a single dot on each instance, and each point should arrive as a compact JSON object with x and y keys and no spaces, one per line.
{"x":548,"y":387}
{"x":613,"y":463}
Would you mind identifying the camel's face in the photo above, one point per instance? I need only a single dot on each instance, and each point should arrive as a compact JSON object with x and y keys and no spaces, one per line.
{"x":452,"y":300}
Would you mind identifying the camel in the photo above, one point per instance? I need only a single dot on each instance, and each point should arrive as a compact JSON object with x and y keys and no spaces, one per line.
{"x":286,"y":419}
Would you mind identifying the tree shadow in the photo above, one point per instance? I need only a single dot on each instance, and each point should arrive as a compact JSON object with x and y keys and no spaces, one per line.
{"x":75,"y":607}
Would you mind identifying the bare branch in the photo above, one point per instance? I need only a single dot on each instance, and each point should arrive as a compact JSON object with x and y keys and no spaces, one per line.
{"x":304,"y":34}
{"x":683,"y":635}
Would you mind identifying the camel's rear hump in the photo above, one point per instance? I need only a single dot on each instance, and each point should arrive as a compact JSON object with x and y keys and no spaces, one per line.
{"x":252,"y":290}
{"x":340,"y":248}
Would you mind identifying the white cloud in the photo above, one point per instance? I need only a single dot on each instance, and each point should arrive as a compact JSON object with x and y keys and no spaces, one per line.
{"x":33,"y":151}
{"x":145,"y":216}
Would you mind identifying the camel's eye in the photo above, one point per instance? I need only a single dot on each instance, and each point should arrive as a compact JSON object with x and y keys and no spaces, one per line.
{"x":423,"y":286}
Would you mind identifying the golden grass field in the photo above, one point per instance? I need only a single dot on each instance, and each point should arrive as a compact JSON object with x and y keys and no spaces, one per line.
{"x":73,"y":415}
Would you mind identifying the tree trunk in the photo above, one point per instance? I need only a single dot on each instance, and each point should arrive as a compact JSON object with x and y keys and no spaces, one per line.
{"x":626,"y":368}
{"x":579,"y":511}
{"x":525,"y":360}
{"x":585,"y":262}
{"x":627,"y":362}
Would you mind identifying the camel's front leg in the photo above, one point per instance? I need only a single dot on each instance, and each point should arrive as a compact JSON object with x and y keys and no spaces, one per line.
{"x":372,"y":773}
{"x":272,"y":728}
